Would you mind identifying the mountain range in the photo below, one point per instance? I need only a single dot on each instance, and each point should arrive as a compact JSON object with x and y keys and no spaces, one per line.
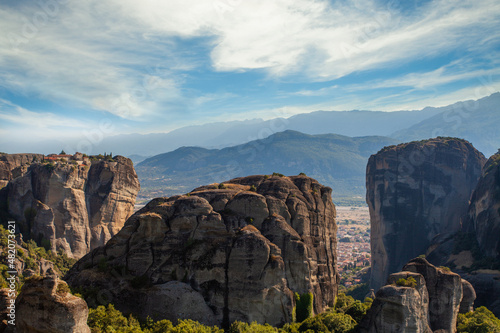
{"x":474,"y":120}
{"x":335,"y":160}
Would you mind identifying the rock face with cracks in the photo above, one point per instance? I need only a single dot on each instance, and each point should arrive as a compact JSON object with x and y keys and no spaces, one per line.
{"x":445,"y":294}
{"x":236,"y":251}
{"x":75,"y":207}
{"x":430,"y":304}
{"x":484,"y":212}
{"x":45,"y":305}
{"x":15,"y":165}
{"x":415,"y":192}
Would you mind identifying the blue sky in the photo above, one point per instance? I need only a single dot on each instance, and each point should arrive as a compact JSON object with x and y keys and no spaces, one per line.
{"x":128,"y":66}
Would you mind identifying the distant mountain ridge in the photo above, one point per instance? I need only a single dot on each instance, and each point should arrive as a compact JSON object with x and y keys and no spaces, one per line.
{"x":475,"y":121}
{"x":227,"y":134}
{"x":334,"y":160}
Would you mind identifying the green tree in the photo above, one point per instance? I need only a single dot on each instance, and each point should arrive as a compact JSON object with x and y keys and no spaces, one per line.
{"x":240,"y":327}
{"x":356,"y":310}
{"x":161,"y":326}
{"x":338,"y":322}
{"x":481,"y":320}
{"x":343,"y":302}
{"x":104,"y":319}
{"x":191,"y":326}
{"x":314,"y":324}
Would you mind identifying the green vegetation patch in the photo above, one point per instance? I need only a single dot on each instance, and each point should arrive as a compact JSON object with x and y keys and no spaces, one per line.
{"x":409,"y":282}
{"x":481,"y":320}
{"x":303,"y":306}
{"x":107,"y":319}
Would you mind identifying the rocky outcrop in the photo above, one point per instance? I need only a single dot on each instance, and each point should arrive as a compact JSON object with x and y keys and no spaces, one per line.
{"x":445,"y":293}
{"x":74,"y":207}
{"x":486,"y":284}
{"x":421,"y":298}
{"x":4,"y":311}
{"x":484,"y":212}
{"x":15,"y":165}
{"x":46,"y":305}
{"x":468,"y":297}
{"x":237,"y":251}
{"x":399,"y":308}
{"x":415,"y":192}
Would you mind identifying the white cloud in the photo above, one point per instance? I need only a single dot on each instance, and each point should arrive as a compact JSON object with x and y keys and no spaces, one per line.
{"x":77,"y":58}
{"x":104,"y":54}
{"x":41,"y":120}
{"x":439,"y":99}
{"x":451,"y":73}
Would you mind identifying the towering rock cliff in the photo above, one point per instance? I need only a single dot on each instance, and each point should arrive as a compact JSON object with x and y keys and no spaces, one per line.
{"x":416,"y":191}
{"x":75,"y":207}
{"x":236,"y":251}
{"x":484,"y":212}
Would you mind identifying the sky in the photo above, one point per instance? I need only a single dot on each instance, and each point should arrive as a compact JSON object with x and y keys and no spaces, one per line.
{"x":126,"y":66}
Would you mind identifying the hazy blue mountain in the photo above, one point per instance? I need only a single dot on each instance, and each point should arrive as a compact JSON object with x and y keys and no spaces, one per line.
{"x":334,"y":160}
{"x":476,"y":121}
{"x":138,"y":158}
{"x":226,"y":134}
{"x":231,"y":133}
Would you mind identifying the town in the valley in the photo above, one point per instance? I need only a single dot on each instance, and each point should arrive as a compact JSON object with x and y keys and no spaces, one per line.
{"x":353,"y":242}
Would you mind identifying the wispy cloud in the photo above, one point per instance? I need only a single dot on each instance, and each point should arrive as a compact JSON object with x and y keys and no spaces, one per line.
{"x":18,"y":115}
{"x":138,"y":60}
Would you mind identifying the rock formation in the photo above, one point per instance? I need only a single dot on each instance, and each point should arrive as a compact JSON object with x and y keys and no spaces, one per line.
{"x":468,"y":297}
{"x":46,"y":305}
{"x":430,"y":304}
{"x":75,"y":207}
{"x":15,"y":165}
{"x":4,"y":311}
{"x":399,"y":308}
{"x":475,"y":251}
{"x":445,"y":294}
{"x":484,"y":212}
{"x":416,"y":191}
{"x":236,"y":251}
{"x":486,"y":284}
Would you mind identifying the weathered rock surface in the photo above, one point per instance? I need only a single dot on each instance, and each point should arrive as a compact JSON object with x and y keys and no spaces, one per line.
{"x":486,"y":284}
{"x":4,"y":311}
{"x":15,"y":165}
{"x":431,"y":305}
{"x":484,"y":212}
{"x":468,"y":297}
{"x":243,"y":248}
{"x":416,"y":191}
{"x":478,"y":244}
{"x":396,"y":309}
{"x":44,"y":305}
{"x":76,"y":208}
{"x":445,"y":294}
